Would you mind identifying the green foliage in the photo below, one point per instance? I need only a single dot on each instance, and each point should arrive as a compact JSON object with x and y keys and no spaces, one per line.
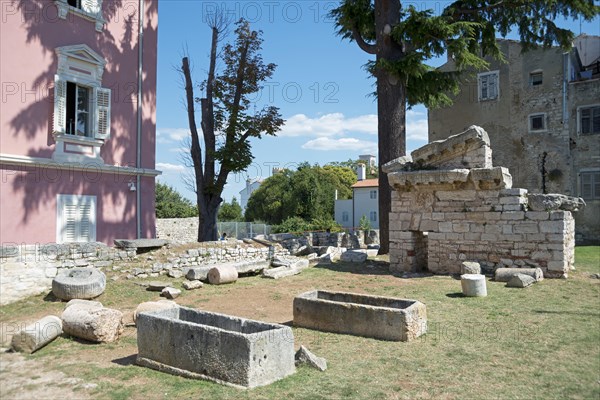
{"x":230,"y":211}
{"x":170,"y":204}
{"x":466,"y":29}
{"x":352,"y":166}
{"x":299,"y":225}
{"x":235,"y":114}
{"x":364,"y":223}
{"x":308,"y":193}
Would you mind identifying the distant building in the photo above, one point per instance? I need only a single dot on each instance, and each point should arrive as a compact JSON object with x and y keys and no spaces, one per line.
{"x":364,"y":201}
{"x":541,"y":111}
{"x":251,"y":186}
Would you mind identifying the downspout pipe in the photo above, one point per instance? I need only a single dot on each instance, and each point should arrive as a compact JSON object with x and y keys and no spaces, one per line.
{"x":138,"y":161}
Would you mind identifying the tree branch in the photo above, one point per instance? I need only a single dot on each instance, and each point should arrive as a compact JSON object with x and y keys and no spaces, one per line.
{"x":195,"y":150}
{"x":366,"y":47}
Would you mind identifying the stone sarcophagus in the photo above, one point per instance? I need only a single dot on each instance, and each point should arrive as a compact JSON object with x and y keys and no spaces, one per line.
{"x":204,"y":345}
{"x":450,"y":204}
{"x":386,"y":318}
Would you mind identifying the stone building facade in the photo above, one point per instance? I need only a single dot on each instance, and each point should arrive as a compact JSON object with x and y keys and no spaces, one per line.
{"x":541,"y":110}
{"x":450,"y":204}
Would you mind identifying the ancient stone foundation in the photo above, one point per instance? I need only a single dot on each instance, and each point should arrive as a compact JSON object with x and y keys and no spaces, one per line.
{"x":450,"y":204}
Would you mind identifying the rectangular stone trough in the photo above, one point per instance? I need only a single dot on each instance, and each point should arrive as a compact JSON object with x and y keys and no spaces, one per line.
{"x":225,"y":349}
{"x":386,"y":318}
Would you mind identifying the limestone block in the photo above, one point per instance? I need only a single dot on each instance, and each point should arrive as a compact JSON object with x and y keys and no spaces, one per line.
{"x":521,"y":281}
{"x":470,"y":267}
{"x":491,"y":178}
{"x":550,"y":202}
{"x":170,"y":293}
{"x":396,"y":164}
{"x":94,"y":324}
{"x":432,"y":178}
{"x":37,"y":335}
{"x":153,"y":306}
{"x":222,"y":274}
{"x":305,"y":356}
{"x":473,"y":285}
{"x":198,"y":274}
{"x":191,"y":285}
{"x":470,"y":149}
{"x":354,"y":256}
{"x":280,"y":272}
{"x":506,"y":274}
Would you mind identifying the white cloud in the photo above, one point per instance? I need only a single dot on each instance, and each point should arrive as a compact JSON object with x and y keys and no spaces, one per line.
{"x":335,"y":124}
{"x":347,"y":144}
{"x":171,"y":134}
{"x":167,"y":167}
{"x":416,"y":129}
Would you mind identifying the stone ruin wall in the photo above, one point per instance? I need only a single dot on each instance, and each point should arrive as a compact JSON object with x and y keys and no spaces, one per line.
{"x":450,"y":204}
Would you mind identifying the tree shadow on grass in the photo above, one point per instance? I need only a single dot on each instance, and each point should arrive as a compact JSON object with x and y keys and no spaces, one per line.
{"x":125,"y":361}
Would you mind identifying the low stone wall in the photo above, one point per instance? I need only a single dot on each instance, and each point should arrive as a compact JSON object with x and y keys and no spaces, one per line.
{"x":28,"y":270}
{"x":177,"y":230}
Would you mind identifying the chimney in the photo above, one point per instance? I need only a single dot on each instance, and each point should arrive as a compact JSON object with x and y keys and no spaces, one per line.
{"x":361,"y":172}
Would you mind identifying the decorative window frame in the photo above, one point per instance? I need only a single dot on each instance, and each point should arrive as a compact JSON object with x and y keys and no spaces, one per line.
{"x":81,"y":65}
{"x":63,"y":200}
{"x":579,"y":119}
{"x":495,"y":73}
{"x":90,"y":10}
{"x":529,"y":122}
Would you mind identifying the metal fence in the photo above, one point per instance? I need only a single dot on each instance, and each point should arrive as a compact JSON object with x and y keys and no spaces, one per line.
{"x":242,"y":230}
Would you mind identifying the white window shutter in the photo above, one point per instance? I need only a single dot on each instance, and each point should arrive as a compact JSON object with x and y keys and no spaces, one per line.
{"x":102,"y":113}
{"x":70,"y":218}
{"x":60,"y":105}
{"x":91,"y":6}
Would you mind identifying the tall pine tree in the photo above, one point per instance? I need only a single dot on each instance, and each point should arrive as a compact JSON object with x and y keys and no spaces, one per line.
{"x":403,"y":39}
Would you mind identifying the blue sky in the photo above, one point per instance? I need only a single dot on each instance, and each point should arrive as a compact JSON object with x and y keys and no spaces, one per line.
{"x":320,"y":86}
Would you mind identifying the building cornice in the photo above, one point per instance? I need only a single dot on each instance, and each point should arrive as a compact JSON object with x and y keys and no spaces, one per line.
{"x":26,"y":161}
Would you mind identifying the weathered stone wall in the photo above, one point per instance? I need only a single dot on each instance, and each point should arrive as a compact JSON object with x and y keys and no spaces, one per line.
{"x":177,"y":230}
{"x":492,"y":227}
{"x":543,"y":161}
{"x":469,"y":211}
{"x":27,"y":270}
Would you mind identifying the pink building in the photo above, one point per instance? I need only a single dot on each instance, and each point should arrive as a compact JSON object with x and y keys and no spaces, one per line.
{"x":77,"y":120}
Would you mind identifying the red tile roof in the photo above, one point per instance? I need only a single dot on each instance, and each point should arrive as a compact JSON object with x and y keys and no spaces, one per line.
{"x":367,"y":183}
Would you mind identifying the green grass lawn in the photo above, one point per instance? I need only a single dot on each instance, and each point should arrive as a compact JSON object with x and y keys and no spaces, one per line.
{"x":542,"y":342}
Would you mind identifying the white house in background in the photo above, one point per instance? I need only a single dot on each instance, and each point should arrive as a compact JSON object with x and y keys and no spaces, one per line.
{"x":364,"y":201}
{"x":251,"y":186}
{"x":369,"y":159}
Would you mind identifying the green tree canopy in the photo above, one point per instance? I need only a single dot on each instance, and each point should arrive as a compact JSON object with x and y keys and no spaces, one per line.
{"x":230,"y":211}
{"x":307,"y":193}
{"x":402,"y":40}
{"x":171,"y":204}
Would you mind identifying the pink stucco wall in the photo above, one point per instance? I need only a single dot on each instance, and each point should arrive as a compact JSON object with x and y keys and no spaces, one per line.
{"x":29,"y":34}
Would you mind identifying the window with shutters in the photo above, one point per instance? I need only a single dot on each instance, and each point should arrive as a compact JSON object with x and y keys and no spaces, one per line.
{"x":76,"y":218}
{"x":81,"y":119}
{"x":87,"y":9}
{"x":590,"y":185}
{"x":488,"y":85}
{"x":589,"y":120}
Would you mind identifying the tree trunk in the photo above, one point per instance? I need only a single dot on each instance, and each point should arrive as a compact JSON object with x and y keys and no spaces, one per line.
{"x":391,"y":110}
{"x":207,"y":218}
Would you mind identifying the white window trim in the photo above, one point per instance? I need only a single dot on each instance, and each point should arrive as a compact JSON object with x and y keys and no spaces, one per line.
{"x":482,"y":74}
{"x":83,"y":66}
{"x":579,"y":118}
{"x":64,"y":8}
{"x":529,"y":125}
{"x":373,"y":194}
{"x":371,"y":216}
{"x":64,"y":199}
